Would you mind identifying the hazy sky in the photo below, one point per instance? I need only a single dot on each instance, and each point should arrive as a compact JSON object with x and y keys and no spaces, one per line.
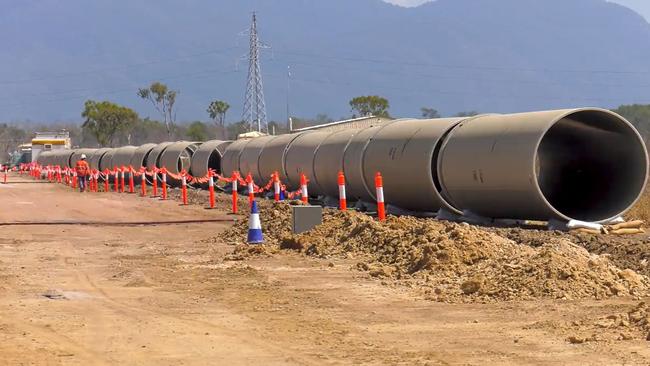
{"x":641,"y":6}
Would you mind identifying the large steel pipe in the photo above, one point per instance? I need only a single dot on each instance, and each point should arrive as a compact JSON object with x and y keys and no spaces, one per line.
{"x":584,"y":164}
{"x":76,"y":156}
{"x":106,"y":160}
{"x":249,"y":160}
{"x":356,"y":188}
{"x":208,"y":156}
{"x":153,"y":160}
{"x":139,"y":158}
{"x":230,"y":159}
{"x":299,"y":159}
{"x":405,"y":152}
{"x":122,"y":157}
{"x":176,"y":158}
{"x":96,"y":156}
{"x":45,"y":158}
{"x":272,"y":156}
{"x":328,"y":161}
{"x":62,"y":158}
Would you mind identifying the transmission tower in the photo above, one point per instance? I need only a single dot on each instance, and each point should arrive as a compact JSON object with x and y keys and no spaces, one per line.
{"x":254,"y":105}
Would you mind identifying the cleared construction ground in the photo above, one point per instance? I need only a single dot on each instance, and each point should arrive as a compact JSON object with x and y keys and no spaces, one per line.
{"x":353,"y":291}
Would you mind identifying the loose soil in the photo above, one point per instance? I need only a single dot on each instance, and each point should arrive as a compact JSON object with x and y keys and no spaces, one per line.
{"x":451,"y":262}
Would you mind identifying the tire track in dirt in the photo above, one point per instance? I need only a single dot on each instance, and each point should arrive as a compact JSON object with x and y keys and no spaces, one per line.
{"x":135,"y":312}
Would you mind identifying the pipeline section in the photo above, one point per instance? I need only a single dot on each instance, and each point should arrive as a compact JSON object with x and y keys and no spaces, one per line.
{"x":587,"y":164}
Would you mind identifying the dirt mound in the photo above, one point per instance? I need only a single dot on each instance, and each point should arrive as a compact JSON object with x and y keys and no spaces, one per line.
{"x":624,"y":251}
{"x":633,"y":324}
{"x":450,"y":261}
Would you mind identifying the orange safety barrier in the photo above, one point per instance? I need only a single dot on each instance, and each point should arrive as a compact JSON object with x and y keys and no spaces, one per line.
{"x":235,"y":181}
{"x":164,"y":183}
{"x":131,"y":182}
{"x":379,"y":186}
{"x":154,"y":188}
{"x":343,"y":203}
{"x":183,"y":187}
{"x":304,"y":195}
{"x":276,"y":186}
{"x":211,"y":188}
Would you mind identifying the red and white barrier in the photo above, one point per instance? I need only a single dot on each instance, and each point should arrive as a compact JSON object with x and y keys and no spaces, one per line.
{"x":184,"y":187}
{"x":379,"y":186}
{"x":164,"y":183}
{"x":116,"y":183}
{"x":122,"y":180}
{"x":131,"y":182}
{"x":250,"y":187}
{"x":107,"y":177}
{"x":235,"y":187}
{"x":343,"y":203}
{"x":154,"y":187}
{"x":276,"y":186}
{"x":211,"y":189}
{"x":304,"y":195}
{"x":143,"y":184}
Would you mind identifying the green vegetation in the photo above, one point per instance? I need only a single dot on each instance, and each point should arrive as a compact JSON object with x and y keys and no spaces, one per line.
{"x":197,"y":131}
{"x":370,"y":105}
{"x":639,"y":116}
{"x":105,"y":119}
{"x":429,"y":113}
{"x":217,"y":111}
{"x":466,"y":114}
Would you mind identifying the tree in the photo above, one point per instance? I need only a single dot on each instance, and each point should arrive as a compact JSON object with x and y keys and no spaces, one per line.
{"x":234,"y":129}
{"x":105,"y":119}
{"x":217,"y":111}
{"x":466,"y":114}
{"x":638,"y":115}
{"x":163,"y":99}
{"x":149,"y":131}
{"x":10,"y":138}
{"x":322,"y":118}
{"x":429,"y":113}
{"x":278,"y":128}
{"x":197,"y":131}
{"x":370,"y":105}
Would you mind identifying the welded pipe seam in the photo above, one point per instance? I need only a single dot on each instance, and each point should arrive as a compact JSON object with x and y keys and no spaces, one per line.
{"x":272,"y":156}
{"x":208,"y":156}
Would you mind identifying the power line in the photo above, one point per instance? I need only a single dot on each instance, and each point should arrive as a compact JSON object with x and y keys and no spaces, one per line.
{"x":459,"y":67}
{"x":464,"y":78}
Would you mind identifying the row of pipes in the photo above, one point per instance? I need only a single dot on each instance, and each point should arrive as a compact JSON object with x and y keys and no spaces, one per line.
{"x":586,"y":164}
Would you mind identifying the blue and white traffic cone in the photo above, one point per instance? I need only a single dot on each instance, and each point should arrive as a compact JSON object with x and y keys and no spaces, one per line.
{"x":254,"y":226}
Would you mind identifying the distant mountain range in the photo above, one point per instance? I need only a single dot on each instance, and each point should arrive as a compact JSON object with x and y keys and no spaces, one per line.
{"x":452,"y":55}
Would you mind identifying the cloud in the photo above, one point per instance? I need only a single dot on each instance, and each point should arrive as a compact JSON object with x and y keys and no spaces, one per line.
{"x":640,"y":6}
{"x":407,"y":3}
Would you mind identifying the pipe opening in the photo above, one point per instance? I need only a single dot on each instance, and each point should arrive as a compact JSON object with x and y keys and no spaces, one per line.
{"x":591,"y":166}
{"x":214,"y":161}
{"x":143,"y":163}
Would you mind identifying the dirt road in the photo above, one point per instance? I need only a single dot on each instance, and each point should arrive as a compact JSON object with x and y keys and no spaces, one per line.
{"x":164,"y":295}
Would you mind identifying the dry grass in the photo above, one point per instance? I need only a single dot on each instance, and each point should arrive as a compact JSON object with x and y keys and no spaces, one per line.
{"x":641,"y":210}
